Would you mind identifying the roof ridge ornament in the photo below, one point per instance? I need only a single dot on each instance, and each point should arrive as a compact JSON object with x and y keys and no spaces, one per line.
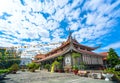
{"x":70,"y":34}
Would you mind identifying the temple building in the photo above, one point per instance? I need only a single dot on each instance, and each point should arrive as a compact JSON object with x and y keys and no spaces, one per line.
{"x":90,"y":59}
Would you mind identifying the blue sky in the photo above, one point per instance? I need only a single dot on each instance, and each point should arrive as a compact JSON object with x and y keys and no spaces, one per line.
{"x":32,"y":22}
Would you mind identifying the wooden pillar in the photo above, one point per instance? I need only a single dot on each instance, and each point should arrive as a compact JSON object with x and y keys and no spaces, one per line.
{"x":90,"y":60}
{"x":85,"y":59}
{"x":97,"y":60}
{"x":71,"y":59}
{"x":93,"y":60}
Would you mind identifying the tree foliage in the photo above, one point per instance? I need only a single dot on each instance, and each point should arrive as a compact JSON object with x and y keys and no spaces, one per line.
{"x":7,"y":59}
{"x":60,"y":58}
{"x":75,"y":56}
{"x":112,"y":58}
{"x":33,"y":66}
{"x":47,"y":66}
{"x":14,"y":67}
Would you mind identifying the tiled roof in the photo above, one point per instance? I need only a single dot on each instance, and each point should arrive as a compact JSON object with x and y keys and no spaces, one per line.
{"x":53,"y":56}
{"x":62,"y":46}
{"x":54,"y":53}
{"x":67,"y":43}
{"x":104,"y":54}
{"x":62,"y":52}
{"x":41,"y":56}
{"x":89,"y":52}
{"x":91,"y":48}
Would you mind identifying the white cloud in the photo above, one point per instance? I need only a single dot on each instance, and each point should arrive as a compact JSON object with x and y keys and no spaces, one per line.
{"x":91,"y":18}
{"x":92,"y":4}
{"x":89,"y":33}
{"x":51,"y":25}
{"x":99,"y":20}
{"x":60,"y":3}
{"x":113,"y":45}
{"x":28,"y":23}
{"x":74,"y":25}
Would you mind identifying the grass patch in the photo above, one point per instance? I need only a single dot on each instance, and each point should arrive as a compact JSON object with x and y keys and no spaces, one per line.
{"x":4,"y":71}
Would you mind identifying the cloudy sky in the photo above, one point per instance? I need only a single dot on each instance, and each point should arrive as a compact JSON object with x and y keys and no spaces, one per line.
{"x":31,"y":22}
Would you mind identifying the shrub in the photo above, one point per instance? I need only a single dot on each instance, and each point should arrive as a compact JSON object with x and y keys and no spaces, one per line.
{"x":37,"y":66}
{"x":112,"y":70}
{"x":75,"y":67}
{"x":4,"y":71}
{"x":32,"y":66}
{"x":109,"y":70}
{"x":117,"y":74}
{"x":14,"y":67}
{"x":47,"y":66}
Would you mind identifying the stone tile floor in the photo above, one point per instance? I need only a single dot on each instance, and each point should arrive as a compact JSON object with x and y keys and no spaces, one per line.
{"x":47,"y":77}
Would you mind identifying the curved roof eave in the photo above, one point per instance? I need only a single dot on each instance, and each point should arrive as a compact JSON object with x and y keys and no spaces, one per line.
{"x":56,"y":55}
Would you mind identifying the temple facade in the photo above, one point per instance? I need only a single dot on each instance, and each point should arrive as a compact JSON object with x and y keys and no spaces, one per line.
{"x":90,"y":59}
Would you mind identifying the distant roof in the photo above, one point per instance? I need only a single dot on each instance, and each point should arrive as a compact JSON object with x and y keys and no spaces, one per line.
{"x":40,"y":56}
{"x":104,"y":54}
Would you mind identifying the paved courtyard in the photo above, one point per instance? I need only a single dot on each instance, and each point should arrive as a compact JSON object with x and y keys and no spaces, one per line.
{"x":47,"y":77}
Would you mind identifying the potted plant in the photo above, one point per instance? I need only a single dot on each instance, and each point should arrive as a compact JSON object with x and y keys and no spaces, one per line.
{"x":60,"y":68}
{"x":75,"y":69}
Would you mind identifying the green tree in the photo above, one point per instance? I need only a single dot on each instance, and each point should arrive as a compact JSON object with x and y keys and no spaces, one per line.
{"x":0,"y":55}
{"x":7,"y":58}
{"x":56,"y":64}
{"x":112,"y":58}
{"x":47,"y":66}
{"x":33,"y":66}
{"x":60,"y":58}
{"x":14,"y":67}
{"x":75,"y":56}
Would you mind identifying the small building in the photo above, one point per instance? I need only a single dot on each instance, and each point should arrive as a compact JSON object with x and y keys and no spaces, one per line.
{"x":104,"y":54}
{"x":90,"y":59}
{"x":38,"y":57}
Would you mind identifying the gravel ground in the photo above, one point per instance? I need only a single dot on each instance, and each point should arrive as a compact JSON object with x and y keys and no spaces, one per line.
{"x":47,"y":77}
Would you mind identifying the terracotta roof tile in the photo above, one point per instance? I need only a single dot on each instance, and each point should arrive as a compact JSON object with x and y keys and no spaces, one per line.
{"x":91,"y":48}
{"x":63,"y":45}
{"x":89,"y":52}
{"x":104,"y":54}
{"x":52,"y":56}
{"x":41,"y":56}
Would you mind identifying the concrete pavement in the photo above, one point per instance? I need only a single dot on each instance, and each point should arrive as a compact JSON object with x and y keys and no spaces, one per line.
{"x":47,"y":77}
